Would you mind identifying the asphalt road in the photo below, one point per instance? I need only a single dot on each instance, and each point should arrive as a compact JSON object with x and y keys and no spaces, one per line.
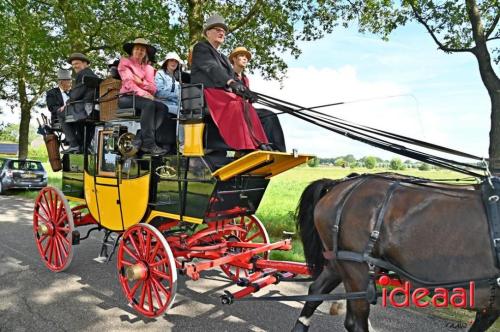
{"x":88,"y":297}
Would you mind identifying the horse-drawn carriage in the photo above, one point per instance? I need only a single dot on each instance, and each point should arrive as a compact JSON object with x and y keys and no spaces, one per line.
{"x":160,"y":213}
{"x":193,"y":210}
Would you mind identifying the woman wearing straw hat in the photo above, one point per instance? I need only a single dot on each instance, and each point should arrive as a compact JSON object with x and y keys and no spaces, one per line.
{"x":239,"y":58}
{"x":138,"y":82}
{"x":236,"y":119}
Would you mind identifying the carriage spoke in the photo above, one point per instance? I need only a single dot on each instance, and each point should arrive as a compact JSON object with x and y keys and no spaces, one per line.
{"x":65,"y":250}
{"x":141,"y":244}
{"x":147,"y":248}
{"x":253,"y":236}
{"x":154,"y":253}
{"x":150,"y":297}
{"x":134,"y":289}
{"x":160,"y":262}
{"x":161,"y":287}
{"x":58,"y":256}
{"x":157,"y":294}
{"x":44,"y":219}
{"x":160,"y":274}
{"x":129,"y":251}
{"x":47,"y":247}
{"x":132,"y":241}
{"x":126,"y":263}
{"x":143,"y":295}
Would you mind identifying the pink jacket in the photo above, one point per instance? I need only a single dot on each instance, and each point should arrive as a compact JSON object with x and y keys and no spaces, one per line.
{"x":129,"y":67}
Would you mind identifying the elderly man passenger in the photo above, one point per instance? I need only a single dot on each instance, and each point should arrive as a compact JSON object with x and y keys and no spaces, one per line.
{"x":236,"y":119}
{"x":57,"y":97}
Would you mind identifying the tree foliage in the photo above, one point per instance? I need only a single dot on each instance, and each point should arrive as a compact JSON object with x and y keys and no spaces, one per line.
{"x":370,"y":162}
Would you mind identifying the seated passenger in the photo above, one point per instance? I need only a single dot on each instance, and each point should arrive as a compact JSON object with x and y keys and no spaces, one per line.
{"x":79,"y":105}
{"x":167,"y":87}
{"x":138,"y":82}
{"x":57,"y":97}
{"x":239,"y":58}
{"x":236,"y":119}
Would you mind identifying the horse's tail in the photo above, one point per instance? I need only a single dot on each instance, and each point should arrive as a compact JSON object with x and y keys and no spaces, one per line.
{"x":304,"y":219}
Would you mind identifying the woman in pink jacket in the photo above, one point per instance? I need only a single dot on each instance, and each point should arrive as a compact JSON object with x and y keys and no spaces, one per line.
{"x":138,"y":82}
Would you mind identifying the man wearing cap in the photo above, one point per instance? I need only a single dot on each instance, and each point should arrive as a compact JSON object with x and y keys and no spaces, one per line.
{"x":57,"y":97}
{"x":236,"y":119}
{"x":80,"y":103}
{"x":239,"y":58}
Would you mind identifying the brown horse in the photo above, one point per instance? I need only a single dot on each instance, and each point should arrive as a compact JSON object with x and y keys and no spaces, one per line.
{"x":436,"y":232}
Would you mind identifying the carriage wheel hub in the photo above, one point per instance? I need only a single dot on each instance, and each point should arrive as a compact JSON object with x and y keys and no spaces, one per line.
{"x":137,"y":271}
{"x":43,"y":229}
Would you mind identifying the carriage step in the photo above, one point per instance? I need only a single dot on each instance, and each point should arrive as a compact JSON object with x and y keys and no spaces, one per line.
{"x":75,"y":238}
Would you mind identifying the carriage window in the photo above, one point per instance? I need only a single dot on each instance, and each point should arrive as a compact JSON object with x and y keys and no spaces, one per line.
{"x":107,"y":156}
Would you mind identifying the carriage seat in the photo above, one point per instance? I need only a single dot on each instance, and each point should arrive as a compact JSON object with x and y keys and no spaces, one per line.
{"x":109,"y":93}
{"x":200,"y":131}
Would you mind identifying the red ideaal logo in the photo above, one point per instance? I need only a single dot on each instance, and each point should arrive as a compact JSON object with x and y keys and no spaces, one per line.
{"x":440,"y":298}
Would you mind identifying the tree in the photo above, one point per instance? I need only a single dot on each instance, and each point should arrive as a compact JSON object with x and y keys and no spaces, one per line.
{"x":314,"y":162}
{"x":424,"y":167}
{"x":396,"y":164}
{"x":340,"y":162}
{"x":456,"y":26}
{"x":26,"y":58}
{"x":370,"y":162}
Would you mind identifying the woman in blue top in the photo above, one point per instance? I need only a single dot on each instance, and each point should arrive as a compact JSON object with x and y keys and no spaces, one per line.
{"x":167,"y":87}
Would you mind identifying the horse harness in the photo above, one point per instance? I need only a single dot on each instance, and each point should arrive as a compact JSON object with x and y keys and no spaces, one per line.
{"x":491,"y":199}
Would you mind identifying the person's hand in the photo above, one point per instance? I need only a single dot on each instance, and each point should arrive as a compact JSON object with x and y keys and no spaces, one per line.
{"x":238,"y":88}
{"x":137,"y":80}
{"x":61,"y":109}
{"x":250,"y":96}
{"x":149,"y":96}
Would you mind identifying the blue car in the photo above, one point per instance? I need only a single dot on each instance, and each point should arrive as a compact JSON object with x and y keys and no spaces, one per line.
{"x":21,"y":174}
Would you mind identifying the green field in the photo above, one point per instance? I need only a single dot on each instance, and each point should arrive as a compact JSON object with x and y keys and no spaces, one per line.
{"x":280,"y":200}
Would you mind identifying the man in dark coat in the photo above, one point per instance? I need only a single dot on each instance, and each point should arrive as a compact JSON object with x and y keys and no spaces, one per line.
{"x":236,"y":119}
{"x":57,"y":97}
{"x":80,"y":103}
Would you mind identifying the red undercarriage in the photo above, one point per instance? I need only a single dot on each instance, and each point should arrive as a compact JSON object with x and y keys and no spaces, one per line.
{"x":237,"y":245}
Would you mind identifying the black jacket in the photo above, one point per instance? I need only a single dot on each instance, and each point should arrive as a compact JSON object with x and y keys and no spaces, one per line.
{"x":54,"y":100}
{"x":81,"y":97}
{"x":210,"y":67}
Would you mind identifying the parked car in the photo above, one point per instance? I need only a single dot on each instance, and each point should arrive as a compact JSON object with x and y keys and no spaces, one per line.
{"x":21,"y":174}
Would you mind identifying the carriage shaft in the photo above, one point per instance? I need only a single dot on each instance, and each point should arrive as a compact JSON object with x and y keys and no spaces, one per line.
{"x":193,"y":269}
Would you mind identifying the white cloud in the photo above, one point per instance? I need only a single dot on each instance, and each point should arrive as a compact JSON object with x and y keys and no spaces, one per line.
{"x":404,"y":115}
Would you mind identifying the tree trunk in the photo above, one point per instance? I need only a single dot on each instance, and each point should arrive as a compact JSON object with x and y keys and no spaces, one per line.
{"x":24,"y":126}
{"x":71,"y":19}
{"x":195,"y":21}
{"x":490,"y":81}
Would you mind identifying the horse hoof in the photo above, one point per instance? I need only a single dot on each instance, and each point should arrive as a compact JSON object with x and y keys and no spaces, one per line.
{"x":299,"y":327}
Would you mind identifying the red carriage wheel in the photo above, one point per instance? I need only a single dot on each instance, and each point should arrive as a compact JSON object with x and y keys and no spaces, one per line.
{"x":146,"y":270}
{"x":253,"y":231}
{"x":53,"y":229}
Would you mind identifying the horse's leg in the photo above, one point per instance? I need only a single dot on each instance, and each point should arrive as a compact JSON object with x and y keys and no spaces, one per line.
{"x":355,"y":279}
{"x":484,"y":319}
{"x":324,"y":284}
{"x":356,"y":319}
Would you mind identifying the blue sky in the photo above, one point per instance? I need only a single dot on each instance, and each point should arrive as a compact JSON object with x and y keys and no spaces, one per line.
{"x":446,"y":103}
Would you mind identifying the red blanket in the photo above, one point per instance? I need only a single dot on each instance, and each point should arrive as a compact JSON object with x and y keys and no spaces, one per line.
{"x":238,"y":124}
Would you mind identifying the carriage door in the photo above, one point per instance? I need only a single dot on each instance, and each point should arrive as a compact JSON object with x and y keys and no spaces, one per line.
{"x":106,"y":183}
